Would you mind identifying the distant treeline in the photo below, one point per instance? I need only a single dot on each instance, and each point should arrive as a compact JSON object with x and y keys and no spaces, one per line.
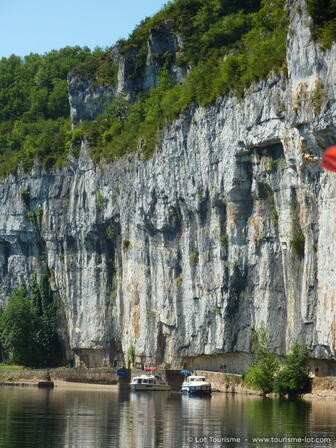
{"x":227,"y":46}
{"x":34,"y":107}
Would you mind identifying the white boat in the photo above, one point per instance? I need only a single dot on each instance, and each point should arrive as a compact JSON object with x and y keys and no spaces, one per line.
{"x":196,"y":385}
{"x":148,"y":382}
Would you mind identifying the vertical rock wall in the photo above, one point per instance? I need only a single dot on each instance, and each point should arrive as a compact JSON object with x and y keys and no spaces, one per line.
{"x":231,"y":225}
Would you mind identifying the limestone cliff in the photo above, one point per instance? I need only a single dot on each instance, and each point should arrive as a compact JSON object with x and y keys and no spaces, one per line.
{"x":230,"y":225}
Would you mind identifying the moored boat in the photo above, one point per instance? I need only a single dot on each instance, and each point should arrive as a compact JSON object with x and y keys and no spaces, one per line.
{"x":149,"y":383}
{"x":196,"y":385}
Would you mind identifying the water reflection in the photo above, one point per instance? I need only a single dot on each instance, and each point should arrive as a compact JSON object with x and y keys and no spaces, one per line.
{"x":282,"y":418}
{"x":75,"y":418}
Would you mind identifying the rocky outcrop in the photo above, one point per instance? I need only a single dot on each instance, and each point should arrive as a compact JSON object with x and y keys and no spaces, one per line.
{"x":88,"y":99}
{"x":163,"y":49}
{"x":229,"y":226}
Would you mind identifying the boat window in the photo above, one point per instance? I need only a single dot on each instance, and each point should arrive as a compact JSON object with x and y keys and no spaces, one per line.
{"x":145,"y":381}
{"x":138,"y":381}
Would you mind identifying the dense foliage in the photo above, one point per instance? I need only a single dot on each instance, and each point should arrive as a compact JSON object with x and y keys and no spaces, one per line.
{"x":293,"y":378}
{"x":28,"y":326}
{"x":323,"y":13}
{"x":204,"y":25}
{"x":34,"y":106}
{"x":266,"y":375}
{"x":226,"y":47}
{"x":262,"y":373}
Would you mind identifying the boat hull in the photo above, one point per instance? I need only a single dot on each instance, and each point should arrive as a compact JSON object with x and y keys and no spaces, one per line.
{"x":195,"y":390}
{"x":148,"y":387}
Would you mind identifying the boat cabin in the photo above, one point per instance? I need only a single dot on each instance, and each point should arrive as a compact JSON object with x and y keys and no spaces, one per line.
{"x":193,"y":378}
{"x":145,"y":379}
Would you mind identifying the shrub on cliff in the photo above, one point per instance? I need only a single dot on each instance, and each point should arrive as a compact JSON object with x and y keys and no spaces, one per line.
{"x":297,"y":244}
{"x":323,"y":13}
{"x":262,"y":373}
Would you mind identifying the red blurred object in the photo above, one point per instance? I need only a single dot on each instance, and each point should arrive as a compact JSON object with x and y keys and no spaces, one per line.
{"x":150,"y":368}
{"x":329,"y":159}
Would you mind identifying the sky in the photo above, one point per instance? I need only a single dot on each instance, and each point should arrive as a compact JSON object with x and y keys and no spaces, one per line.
{"x":38,"y":26}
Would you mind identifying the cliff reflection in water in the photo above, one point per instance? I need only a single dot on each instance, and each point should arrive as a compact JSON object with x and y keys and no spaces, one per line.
{"x":80,"y":418}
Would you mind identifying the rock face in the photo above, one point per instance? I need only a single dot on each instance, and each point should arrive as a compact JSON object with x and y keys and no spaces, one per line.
{"x":161,"y":43}
{"x":230,"y":226}
{"x":87,"y":98}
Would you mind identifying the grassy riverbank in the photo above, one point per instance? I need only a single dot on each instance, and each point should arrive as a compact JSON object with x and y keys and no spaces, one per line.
{"x":10,"y":368}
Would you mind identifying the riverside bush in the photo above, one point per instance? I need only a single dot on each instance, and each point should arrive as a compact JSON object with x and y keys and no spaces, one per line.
{"x":262,"y":373}
{"x":293,"y":378}
{"x":266,"y":375}
{"x":28,"y":325}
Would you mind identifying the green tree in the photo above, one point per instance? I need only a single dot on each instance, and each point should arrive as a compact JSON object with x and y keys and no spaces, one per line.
{"x":131,"y":356}
{"x":42,"y":294}
{"x":34,"y":107}
{"x":20,"y":325}
{"x":323,"y":13}
{"x":28,"y":330}
{"x":293,"y":378}
{"x":262,"y":372}
{"x":117,"y":108}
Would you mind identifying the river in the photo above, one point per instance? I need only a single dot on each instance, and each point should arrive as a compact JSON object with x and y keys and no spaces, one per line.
{"x":85,"y":417}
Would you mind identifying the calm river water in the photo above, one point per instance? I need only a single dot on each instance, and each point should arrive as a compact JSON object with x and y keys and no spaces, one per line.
{"x":80,"y":418}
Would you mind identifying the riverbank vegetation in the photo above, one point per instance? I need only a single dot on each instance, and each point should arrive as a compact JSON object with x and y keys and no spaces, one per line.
{"x":10,"y":367}
{"x":28,"y":326}
{"x":293,"y":378}
{"x":262,"y":373}
{"x":268,"y":375}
